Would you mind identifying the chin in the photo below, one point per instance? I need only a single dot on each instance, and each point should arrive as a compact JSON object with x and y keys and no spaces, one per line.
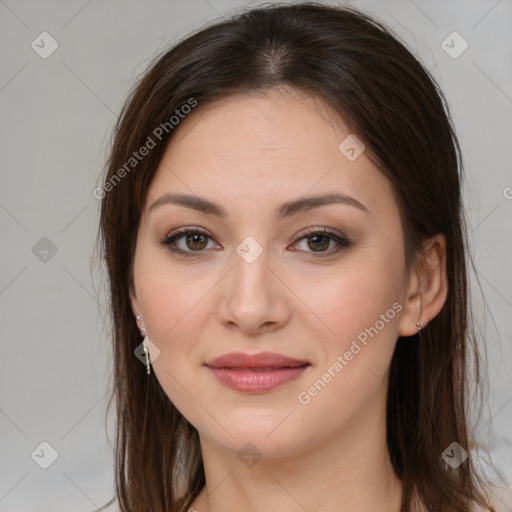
{"x":270,"y":434}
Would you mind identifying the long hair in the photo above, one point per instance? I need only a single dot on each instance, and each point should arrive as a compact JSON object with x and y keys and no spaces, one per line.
{"x":387,"y":98}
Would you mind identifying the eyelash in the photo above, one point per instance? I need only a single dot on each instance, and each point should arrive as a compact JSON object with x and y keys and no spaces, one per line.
{"x":342,"y":242}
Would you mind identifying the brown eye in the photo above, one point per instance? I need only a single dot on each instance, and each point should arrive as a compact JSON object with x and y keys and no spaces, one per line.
{"x":319,"y":241}
{"x":196,"y":241}
{"x":187,"y":242}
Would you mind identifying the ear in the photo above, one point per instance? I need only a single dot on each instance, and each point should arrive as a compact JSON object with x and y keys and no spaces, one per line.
{"x":427,"y":288}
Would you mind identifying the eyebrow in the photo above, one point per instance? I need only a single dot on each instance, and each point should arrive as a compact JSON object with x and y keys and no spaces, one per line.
{"x":287,"y":209}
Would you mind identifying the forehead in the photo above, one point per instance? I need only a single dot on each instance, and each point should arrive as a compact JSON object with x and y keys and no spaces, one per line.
{"x":278,"y":144}
{"x":284,"y":119}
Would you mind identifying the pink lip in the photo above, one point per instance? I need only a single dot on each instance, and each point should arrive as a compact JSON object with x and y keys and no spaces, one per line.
{"x":256,"y":373}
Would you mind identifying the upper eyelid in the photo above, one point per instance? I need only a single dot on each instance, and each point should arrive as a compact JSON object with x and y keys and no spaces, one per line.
{"x":308,"y":232}
{"x":183,"y":232}
{"x":326,"y":231}
{"x":180,"y":233}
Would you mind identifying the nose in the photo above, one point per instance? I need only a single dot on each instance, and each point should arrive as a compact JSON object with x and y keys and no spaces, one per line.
{"x":253,"y":297}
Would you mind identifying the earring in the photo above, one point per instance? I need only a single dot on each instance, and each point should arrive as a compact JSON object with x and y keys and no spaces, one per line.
{"x":146,"y":351}
{"x":145,"y":344}
{"x":141,"y":329}
{"x":418,"y":325}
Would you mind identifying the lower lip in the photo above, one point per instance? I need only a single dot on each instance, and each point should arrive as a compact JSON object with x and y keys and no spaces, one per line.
{"x":254,"y":381}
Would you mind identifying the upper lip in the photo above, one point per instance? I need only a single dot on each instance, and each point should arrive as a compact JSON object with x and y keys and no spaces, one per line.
{"x":259,"y":360}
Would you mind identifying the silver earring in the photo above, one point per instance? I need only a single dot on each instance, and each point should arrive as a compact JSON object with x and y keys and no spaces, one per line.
{"x":145,"y":344}
{"x":418,"y":325}
{"x":142,"y":329}
{"x":146,"y":351}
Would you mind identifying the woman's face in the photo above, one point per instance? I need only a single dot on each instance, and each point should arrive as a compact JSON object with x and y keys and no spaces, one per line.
{"x":254,"y":170}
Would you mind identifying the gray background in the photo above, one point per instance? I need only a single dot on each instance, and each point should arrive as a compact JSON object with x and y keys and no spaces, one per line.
{"x":57,"y":114}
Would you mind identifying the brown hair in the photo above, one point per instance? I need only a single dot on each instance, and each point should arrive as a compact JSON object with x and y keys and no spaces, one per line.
{"x":390,"y":101}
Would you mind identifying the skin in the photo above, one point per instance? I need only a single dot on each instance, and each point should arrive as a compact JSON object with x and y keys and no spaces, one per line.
{"x":249,"y":154}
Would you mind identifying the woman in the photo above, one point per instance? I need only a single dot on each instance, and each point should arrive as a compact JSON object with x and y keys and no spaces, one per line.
{"x":282,"y":227}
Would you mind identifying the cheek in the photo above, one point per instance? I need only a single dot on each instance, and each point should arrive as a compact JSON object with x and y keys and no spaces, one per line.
{"x":173,"y":305}
{"x":167,"y":302}
{"x":168,"y":294}
{"x":353,"y":298}
{"x":359,"y":307}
